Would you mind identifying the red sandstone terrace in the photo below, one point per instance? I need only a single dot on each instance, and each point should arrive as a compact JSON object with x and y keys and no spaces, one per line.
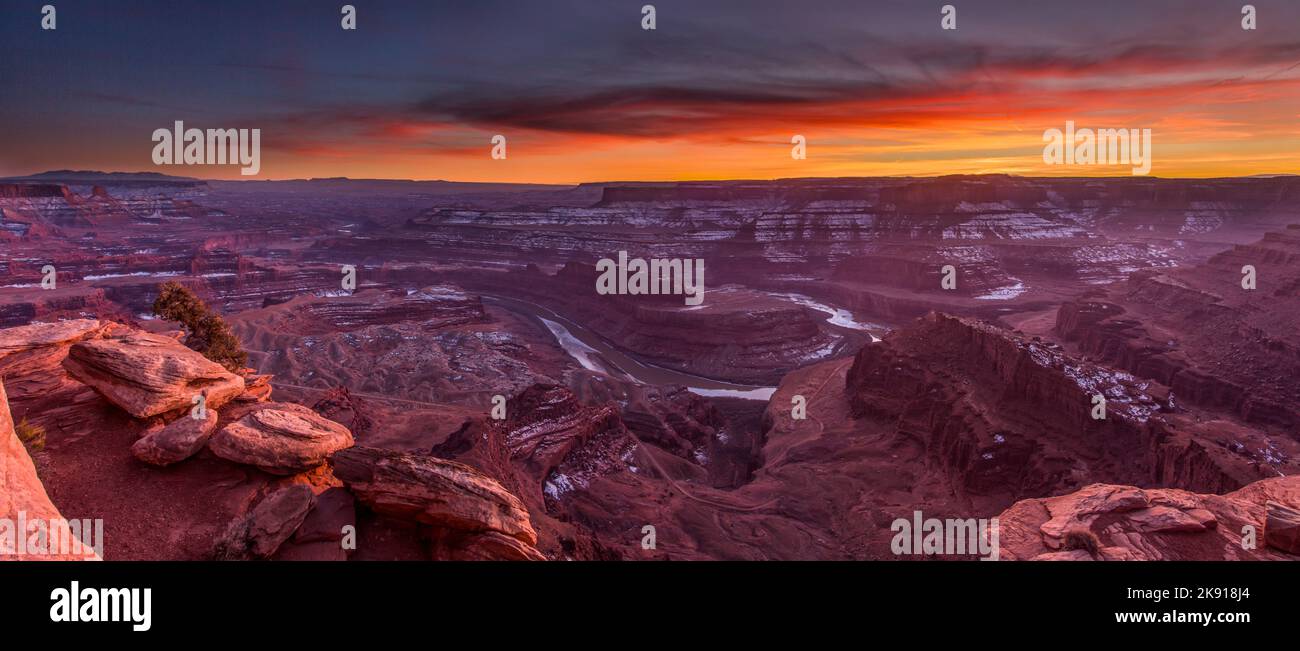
{"x":474,"y":397}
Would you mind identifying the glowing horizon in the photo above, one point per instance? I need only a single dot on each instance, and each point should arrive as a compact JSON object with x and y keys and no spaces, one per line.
{"x":714,"y":93}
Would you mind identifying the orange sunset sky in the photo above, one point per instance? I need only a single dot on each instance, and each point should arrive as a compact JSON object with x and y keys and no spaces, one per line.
{"x":716,"y":91}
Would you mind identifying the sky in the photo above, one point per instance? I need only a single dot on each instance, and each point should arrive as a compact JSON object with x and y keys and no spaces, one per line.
{"x":584,"y":94}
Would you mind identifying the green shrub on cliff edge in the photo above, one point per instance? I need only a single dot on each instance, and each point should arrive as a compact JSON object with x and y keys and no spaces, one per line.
{"x":208,"y":332}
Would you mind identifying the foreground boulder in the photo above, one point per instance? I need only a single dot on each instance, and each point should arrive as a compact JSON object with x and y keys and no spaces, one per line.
{"x":1282,"y":527}
{"x":471,"y":515}
{"x":323,"y":535}
{"x":176,"y":441}
{"x":272,"y":522}
{"x":335,"y":510}
{"x":147,"y":375}
{"x":281,"y":439}
{"x":21,"y":492}
{"x":1109,"y":522}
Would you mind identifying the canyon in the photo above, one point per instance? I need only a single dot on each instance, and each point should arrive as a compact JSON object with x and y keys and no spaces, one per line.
{"x":371,"y":409}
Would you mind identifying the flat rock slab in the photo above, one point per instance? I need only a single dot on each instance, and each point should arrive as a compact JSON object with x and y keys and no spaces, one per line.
{"x":281,"y":439}
{"x":147,"y":375}
{"x":31,"y":356}
{"x":22,"y":339}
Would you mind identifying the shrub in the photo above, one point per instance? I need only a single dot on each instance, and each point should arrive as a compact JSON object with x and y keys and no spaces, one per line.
{"x":32,"y":436}
{"x":1081,"y":538}
{"x":208,"y":333}
{"x":176,"y":302}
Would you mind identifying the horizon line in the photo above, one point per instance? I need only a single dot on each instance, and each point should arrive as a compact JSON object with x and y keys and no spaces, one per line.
{"x":163,"y":176}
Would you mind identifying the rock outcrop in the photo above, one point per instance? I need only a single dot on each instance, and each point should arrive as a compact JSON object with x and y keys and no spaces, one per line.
{"x":148,"y":375}
{"x":31,"y":355}
{"x":460,"y":504}
{"x":1282,"y":527}
{"x":676,"y":420}
{"x":1199,"y":331}
{"x":1129,"y":523}
{"x":280,"y":438}
{"x":722,"y":437}
{"x":23,"y":500}
{"x":568,"y":463}
{"x":1009,"y":416}
{"x":32,"y":190}
{"x":431,"y":307}
{"x":329,"y":531}
{"x":176,"y":441}
{"x":549,"y":441}
{"x":257,"y":388}
{"x":546,"y":425}
{"x":335,"y":509}
{"x":40,"y":388}
{"x":268,"y":525}
{"x":339,"y":405}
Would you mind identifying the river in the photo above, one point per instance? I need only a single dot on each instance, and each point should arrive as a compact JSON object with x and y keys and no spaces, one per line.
{"x":595,"y":354}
